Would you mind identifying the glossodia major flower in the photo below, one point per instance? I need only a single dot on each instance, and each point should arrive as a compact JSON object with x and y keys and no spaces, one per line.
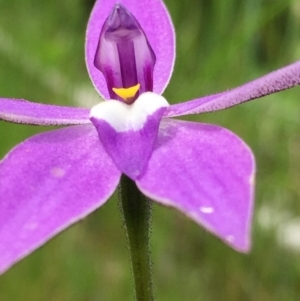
{"x":54,"y":179}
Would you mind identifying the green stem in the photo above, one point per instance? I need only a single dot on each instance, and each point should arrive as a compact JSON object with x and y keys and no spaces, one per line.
{"x":136,"y":211}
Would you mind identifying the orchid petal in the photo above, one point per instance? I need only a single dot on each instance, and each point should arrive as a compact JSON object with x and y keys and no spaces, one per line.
{"x":23,"y":111}
{"x":207,"y":173}
{"x":128,"y":132}
{"x":49,"y":182}
{"x":157,"y":25}
{"x":273,"y":82}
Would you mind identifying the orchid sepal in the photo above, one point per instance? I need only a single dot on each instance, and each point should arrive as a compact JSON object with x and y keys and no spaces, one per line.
{"x":158,"y":28}
{"x":207,"y":173}
{"x":48,"y":182}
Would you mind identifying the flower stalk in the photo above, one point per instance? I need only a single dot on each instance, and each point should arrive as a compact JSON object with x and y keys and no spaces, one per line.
{"x":136,"y":211}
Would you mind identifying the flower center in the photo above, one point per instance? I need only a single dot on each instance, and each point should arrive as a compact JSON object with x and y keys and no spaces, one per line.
{"x":124,"y":56}
{"x":127,"y":93}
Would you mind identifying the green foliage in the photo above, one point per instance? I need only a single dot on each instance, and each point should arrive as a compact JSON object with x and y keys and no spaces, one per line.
{"x":220,"y":44}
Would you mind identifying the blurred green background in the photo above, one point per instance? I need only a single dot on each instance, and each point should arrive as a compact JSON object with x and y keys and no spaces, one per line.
{"x":220,"y":44}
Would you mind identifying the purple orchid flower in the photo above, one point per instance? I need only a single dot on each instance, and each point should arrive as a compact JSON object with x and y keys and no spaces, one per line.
{"x":54,"y":179}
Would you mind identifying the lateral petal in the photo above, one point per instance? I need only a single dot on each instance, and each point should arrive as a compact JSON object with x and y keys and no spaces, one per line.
{"x":47,"y":183}
{"x":23,"y":111}
{"x":273,"y":82}
{"x":207,"y":173}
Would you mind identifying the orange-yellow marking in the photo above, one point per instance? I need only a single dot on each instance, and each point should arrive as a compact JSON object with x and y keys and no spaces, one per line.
{"x":127,"y":93}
